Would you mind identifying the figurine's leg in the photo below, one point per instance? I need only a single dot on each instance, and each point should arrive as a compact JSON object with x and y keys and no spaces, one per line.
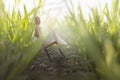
{"x":61,"y":52}
{"x":45,"y":48}
{"x":48,"y":54}
{"x":50,"y":44}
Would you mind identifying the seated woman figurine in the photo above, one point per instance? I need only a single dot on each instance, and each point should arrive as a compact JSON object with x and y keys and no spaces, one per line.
{"x":37,"y":27}
{"x":53,"y":38}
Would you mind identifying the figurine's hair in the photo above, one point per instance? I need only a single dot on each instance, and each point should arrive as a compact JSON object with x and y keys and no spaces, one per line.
{"x":37,"y":20}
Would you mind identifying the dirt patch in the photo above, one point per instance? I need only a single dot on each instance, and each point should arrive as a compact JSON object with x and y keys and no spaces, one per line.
{"x":70,"y":67}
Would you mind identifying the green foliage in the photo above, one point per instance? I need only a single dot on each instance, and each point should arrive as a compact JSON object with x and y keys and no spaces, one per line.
{"x":99,"y":37}
{"x":17,"y":47}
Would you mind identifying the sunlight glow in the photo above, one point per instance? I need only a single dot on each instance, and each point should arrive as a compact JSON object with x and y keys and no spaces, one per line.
{"x":57,"y":8}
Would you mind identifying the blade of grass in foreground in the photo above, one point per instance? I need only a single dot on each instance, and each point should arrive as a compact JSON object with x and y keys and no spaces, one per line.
{"x":101,"y":41}
{"x":17,"y":48}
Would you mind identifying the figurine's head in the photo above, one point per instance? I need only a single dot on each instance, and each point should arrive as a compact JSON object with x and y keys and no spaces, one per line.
{"x":37,"y":20}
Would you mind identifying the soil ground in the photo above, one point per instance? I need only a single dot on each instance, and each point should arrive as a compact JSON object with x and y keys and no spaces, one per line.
{"x":71,"y":67}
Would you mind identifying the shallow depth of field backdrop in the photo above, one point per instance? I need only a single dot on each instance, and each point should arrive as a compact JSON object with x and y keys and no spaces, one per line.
{"x":91,"y":26}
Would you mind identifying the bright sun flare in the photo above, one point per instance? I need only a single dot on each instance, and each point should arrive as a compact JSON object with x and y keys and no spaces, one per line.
{"x":57,"y":7}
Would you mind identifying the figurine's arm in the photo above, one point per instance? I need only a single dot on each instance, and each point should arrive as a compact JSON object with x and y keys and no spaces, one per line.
{"x":37,"y":31}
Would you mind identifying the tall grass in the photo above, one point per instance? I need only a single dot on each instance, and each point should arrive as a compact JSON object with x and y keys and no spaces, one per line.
{"x":16,"y":41}
{"x":98,"y":38}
